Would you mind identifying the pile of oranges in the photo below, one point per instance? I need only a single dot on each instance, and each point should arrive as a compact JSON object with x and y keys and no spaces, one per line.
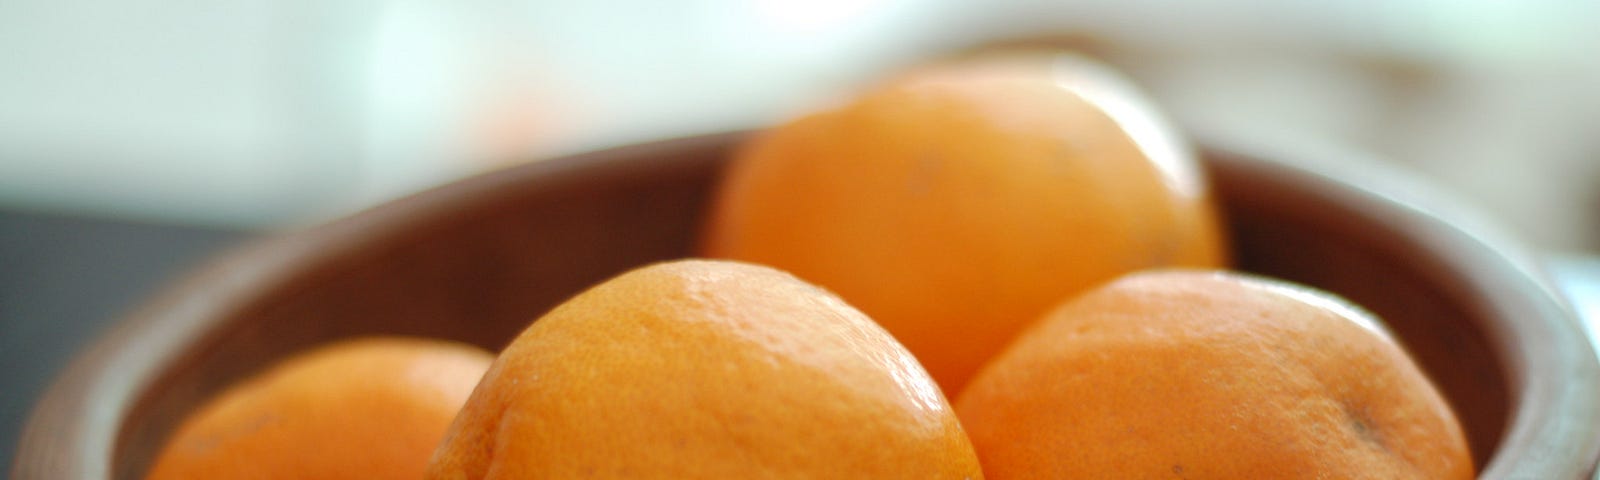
{"x":1019,"y":234}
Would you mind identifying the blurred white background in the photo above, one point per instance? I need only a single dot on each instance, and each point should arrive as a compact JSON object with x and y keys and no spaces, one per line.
{"x":266,"y":114}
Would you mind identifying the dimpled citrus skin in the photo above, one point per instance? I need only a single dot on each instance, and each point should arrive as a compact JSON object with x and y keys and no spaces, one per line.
{"x":1209,"y":375}
{"x":371,"y":408}
{"x":702,"y":369}
{"x":957,"y":203}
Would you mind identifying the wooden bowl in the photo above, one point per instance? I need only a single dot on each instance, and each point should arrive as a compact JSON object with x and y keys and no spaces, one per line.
{"x":478,"y":259}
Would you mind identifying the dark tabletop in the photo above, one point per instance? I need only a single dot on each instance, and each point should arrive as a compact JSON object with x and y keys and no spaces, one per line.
{"x":63,"y":279}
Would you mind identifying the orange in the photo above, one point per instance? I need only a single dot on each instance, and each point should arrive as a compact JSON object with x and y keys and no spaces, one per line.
{"x":372,"y":408}
{"x":702,"y":369}
{"x":1209,"y":375}
{"x":957,"y":203}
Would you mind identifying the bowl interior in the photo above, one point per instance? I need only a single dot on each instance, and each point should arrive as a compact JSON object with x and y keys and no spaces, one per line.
{"x":477,"y":260}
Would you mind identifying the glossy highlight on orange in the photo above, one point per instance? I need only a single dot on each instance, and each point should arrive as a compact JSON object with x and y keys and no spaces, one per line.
{"x":1188,"y":374}
{"x":705,"y":369}
{"x":955,"y":203}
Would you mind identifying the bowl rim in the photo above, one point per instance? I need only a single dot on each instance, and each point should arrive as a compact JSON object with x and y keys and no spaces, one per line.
{"x":79,"y":416}
{"x":1495,"y":272}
